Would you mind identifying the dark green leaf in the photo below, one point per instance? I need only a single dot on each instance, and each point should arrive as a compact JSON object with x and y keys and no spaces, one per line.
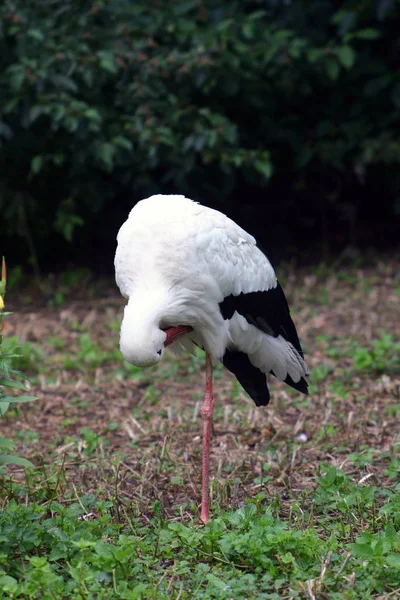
{"x":106,"y":153}
{"x":367,"y":34}
{"x":264,"y":167}
{"x":107,"y":61}
{"x":35,"y":34}
{"x":314,"y":54}
{"x":17,"y":398}
{"x":393,"y":560}
{"x":37,"y":163}
{"x":123,"y":142}
{"x":346,"y":56}
{"x":64,"y":83}
{"x":15,"y":460}
{"x":332,"y":68}
{"x":6,"y":443}
{"x":4,"y":406}
{"x":12,"y":384}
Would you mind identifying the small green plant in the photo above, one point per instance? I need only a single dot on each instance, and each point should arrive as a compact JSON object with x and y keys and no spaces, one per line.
{"x":92,"y":440}
{"x":10,"y":379}
{"x":321,"y":372}
{"x":15,"y":277}
{"x":90,"y":354}
{"x":28,"y":355}
{"x":381,"y":356}
{"x":75,"y":278}
{"x":380,"y":549}
{"x":58,"y":299}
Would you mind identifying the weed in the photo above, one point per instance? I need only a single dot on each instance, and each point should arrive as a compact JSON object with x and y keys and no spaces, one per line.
{"x":15,"y":277}
{"x":75,"y":278}
{"x":321,"y":372}
{"x":29,"y":355}
{"x":57,"y":299}
{"x":382,"y":356}
{"x":90,"y":354}
{"x":56,"y":342}
{"x":10,"y":380}
{"x":339,"y":388}
{"x":247,"y":553}
{"x":91,"y":440}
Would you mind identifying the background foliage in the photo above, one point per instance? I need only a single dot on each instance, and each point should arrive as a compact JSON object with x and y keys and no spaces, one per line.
{"x":288,"y":107}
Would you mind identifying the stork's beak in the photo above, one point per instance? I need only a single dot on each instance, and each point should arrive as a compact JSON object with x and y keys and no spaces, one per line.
{"x":174,"y":333}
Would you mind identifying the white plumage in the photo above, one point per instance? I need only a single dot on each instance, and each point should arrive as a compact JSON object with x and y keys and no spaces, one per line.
{"x":176,"y":262}
{"x":181,"y":264}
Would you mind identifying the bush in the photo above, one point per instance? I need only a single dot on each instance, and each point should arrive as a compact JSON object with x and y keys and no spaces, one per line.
{"x":110,"y":101}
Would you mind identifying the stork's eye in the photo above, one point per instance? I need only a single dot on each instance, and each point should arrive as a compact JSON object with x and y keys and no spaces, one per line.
{"x":159,"y":352}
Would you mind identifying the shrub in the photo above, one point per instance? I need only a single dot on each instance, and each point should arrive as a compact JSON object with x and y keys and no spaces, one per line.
{"x":107,"y":101}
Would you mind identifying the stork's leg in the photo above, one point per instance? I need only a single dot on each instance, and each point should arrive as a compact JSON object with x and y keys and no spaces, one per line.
{"x":207,"y":411}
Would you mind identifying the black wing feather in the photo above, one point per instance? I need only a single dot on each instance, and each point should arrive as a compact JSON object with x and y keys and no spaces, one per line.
{"x":249,"y":377}
{"x":269,"y":312}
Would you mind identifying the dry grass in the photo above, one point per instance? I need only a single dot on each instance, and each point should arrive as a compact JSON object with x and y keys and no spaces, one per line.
{"x":136,"y":436}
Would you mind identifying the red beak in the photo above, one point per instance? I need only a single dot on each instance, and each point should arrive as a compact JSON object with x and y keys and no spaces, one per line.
{"x":174,"y":333}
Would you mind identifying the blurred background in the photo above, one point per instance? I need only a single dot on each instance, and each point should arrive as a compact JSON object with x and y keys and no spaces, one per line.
{"x":283,"y":114}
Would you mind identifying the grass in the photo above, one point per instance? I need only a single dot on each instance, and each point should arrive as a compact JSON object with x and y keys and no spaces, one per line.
{"x":90,"y":548}
{"x":305,"y":493}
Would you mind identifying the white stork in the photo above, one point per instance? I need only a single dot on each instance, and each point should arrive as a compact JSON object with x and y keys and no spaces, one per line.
{"x":192,"y":275}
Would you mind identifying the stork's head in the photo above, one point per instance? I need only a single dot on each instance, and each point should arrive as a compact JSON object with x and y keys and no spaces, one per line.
{"x":141,"y":340}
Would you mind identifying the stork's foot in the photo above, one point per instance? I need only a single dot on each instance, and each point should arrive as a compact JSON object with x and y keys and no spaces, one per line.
{"x":205,"y":514}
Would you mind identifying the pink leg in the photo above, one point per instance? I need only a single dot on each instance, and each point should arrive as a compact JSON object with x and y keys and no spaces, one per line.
{"x":207,"y":411}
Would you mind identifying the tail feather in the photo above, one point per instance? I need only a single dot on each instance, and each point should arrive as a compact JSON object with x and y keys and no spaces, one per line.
{"x":300,"y":386}
{"x":277,"y":355}
{"x":249,"y":376}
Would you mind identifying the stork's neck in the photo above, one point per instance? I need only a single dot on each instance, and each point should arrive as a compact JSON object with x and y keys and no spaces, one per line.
{"x":144,"y":310}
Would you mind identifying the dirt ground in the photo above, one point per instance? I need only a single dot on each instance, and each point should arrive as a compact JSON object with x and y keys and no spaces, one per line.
{"x":98,"y":427}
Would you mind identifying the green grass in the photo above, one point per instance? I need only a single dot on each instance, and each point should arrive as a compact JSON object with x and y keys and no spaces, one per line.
{"x":90,"y":548}
{"x":305,"y":493}
{"x":382,"y":355}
